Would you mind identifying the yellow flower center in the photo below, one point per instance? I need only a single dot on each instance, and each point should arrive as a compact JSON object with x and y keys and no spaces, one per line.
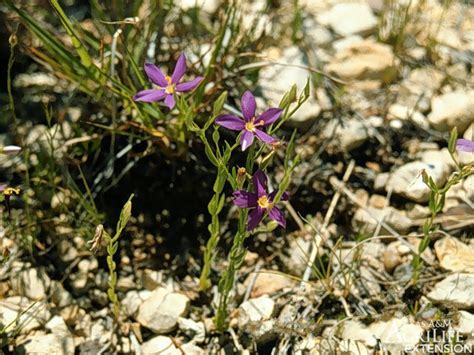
{"x":263,"y":202}
{"x":170,"y":88}
{"x":251,"y":125}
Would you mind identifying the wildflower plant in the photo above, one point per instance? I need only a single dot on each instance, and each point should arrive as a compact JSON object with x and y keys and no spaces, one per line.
{"x":438,"y":195}
{"x":112,"y":246}
{"x":249,"y":183}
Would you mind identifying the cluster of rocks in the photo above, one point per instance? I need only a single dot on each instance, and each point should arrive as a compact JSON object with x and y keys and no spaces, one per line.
{"x":43,"y":315}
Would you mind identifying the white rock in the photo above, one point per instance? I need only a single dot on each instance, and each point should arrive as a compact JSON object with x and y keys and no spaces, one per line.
{"x":209,"y":6}
{"x":316,"y":34}
{"x":255,"y":318}
{"x":397,"y":334}
{"x":132,"y":301}
{"x":161,"y":310}
{"x":256,"y":310}
{"x":277,"y":79}
{"x":347,"y":136}
{"x":32,"y":283}
{"x":367,"y":60}
{"x":356,"y":331}
{"x":297,"y":258}
{"x":454,"y":255}
{"x":160,"y":345}
{"x":47,"y":344}
{"x":370,"y":216}
{"x":438,"y":155}
{"x":454,"y":109}
{"x":18,"y":313}
{"x":408,"y":182}
{"x":354,"y":347}
{"x":59,"y":295}
{"x":267,"y":282}
{"x":350,"y":18}
{"x":456,"y":290}
{"x":407,"y":113}
{"x":346,"y":42}
{"x":465,"y":324}
{"x":58,"y":327}
{"x":194,"y":330}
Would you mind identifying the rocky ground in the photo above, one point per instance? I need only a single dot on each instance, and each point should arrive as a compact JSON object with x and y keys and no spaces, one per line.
{"x":385,"y":95}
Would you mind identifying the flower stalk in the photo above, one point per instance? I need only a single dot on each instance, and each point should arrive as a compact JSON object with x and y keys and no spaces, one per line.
{"x":438,"y":196}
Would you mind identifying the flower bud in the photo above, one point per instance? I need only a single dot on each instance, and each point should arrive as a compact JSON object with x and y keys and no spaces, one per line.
{"x":13,"y":40}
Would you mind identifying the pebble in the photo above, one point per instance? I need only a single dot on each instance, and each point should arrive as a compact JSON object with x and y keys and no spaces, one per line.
{"x":160,"y":345}
{"x":32,"y":283}
{"x":456,"y":290}
{"x":465,"y":323}
{"x":161,"y":310}
{"x":397,"y":334}
{"x":132,"y":301}
{"x":370,"y":216}
{"x":276,"y":80}
{"x":366,"y":60}
{"x":297,"y":257}
{"x":454,"y":109}
{"x":267,"y":282}
{"x":356,"y":331}
{"x":454,"y":255}
{"x":19,"y":311}
{"x":350,"y":19}
{"x":46,"y":344}
{"x":347,"y":136}
{"x":391,"y":258}
{"x":406,"y":180}
{"x":195,"y":330}
{"x":255,"y":318}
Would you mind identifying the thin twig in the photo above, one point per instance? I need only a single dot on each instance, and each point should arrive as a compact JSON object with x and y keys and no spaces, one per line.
{"x":327,"y":218}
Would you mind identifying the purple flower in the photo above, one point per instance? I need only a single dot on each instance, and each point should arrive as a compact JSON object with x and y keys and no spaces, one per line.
{"x":465,"y":145}
{"x":261,"y":201}
{"x":250,"y":123}
{"x":165,"y":86}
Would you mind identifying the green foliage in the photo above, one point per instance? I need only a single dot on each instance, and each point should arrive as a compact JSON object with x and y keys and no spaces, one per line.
{"x":436,"y":201}
{"x":112,"y":247}
{"x":219,"y":155}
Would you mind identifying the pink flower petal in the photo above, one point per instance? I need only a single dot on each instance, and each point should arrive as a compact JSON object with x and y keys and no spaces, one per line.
{"x":155,"y":75}
{"x":260,"y":183}
{"x":150,"y":95}
{"x":244,"y":199}
{"x":248,"y":105}
{"x":264,"y":137}
{"x":465,"y":145}
{"x":169,"y":101}
{"x":230,"y":122}
{"x":277,"y":216}
{"x":246,"y":140}
{"x":179,"y":69}
{"x":254,"y":218}
{"x":270,"y":116}
{"x":190,"y":85}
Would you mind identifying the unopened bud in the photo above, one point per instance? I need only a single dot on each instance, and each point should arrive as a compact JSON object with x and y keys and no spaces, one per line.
{"x":13,"y":40}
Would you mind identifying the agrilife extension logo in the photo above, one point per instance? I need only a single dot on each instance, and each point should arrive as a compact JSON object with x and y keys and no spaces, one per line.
{"x":440,"y":338}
